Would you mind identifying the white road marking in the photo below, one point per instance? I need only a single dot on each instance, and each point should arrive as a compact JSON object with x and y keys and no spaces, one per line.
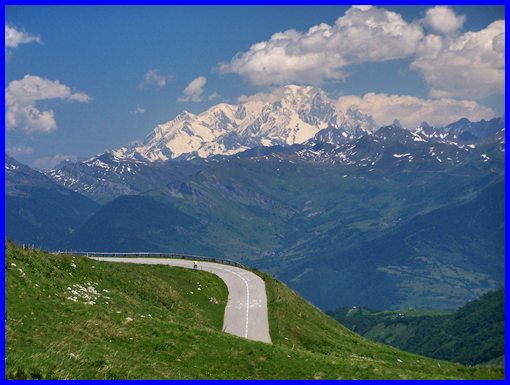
{"x":247,"y":298}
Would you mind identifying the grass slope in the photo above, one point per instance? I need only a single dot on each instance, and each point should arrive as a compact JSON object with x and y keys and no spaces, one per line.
{"x":144,"y":322}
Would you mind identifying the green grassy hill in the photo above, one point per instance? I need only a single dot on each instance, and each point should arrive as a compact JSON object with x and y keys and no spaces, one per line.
{"x":474,"y":334}
{"x":78,"y":318}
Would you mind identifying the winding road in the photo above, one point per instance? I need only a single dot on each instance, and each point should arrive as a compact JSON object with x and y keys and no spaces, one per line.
{"x":246,"y":311}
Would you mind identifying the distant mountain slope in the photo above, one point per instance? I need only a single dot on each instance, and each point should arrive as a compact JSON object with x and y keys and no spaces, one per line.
{"x":39,"y":211}
{"x":474,"y":334}
{"x":76,"y":318}
{"x":135,"y":223}
{"x":106,"y":176}
{"x":439,"y":259}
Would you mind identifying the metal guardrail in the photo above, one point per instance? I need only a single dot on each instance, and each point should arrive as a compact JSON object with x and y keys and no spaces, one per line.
{"x":156,"y":255}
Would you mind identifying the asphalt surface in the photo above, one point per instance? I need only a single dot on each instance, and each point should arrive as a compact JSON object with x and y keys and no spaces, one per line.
{"x":246,"y":311}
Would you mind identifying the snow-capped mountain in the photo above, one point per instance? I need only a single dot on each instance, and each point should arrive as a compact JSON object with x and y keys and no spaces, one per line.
{"x":293,"y":123}
{"x":296,"y":115}
{"x":107,"y":176}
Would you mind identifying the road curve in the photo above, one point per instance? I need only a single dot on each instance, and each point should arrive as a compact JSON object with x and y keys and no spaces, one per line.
{"x":246,"y":311}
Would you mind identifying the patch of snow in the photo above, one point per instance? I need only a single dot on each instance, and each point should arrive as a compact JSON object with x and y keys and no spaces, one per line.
{"x":401,"y":155}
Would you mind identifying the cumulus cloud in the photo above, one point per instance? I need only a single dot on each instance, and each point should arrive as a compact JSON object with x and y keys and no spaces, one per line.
{"x":22,"y":95}
{"x":471,"y":65}
{"x":411,"y":111}
{"x":49,"y":162}
{"x":14,"y":37}
{"x":194,"y":90}
{"x":363,"y":34}
{"x":154,"y":78}
{"x":443,"y":20}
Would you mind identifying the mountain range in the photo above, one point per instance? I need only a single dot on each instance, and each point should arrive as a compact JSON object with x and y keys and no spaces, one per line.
{"x":343,"y":211}
{"x":295,"y":116}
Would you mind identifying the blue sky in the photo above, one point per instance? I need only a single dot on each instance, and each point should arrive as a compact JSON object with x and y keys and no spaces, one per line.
{"x":123,"y":70}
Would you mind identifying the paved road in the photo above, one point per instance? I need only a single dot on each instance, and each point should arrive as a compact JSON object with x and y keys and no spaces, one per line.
{"x":246,"y":311}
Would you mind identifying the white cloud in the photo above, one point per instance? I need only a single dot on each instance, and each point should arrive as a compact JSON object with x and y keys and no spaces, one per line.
{"x":138,"y":110}
{"x":49,"y":162}
{"x":443,"y":20}
{"x":411,"y":111}
{"x":20,"y":151}
{"x":22,"y":95}
{"x":363,"y":34}
{"x":80,"y":97}
{"x":194,"y":90}
{"x":14,"y":37}
{"x":214,"y":96}
{"x":469,"y":66}
{"x":265,"y":97}
{"x":155,"y":78}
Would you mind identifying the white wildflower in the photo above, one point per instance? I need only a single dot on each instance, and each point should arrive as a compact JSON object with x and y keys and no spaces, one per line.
{"x":13,"y":264}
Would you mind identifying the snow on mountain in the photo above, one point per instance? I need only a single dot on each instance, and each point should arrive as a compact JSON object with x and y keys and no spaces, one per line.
{"x":225,"y":129}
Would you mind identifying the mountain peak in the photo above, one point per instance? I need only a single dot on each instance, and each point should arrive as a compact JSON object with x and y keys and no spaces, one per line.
{"x":184,"y":115}
{"x":425,"y":126}
{"x":291,"y":115}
